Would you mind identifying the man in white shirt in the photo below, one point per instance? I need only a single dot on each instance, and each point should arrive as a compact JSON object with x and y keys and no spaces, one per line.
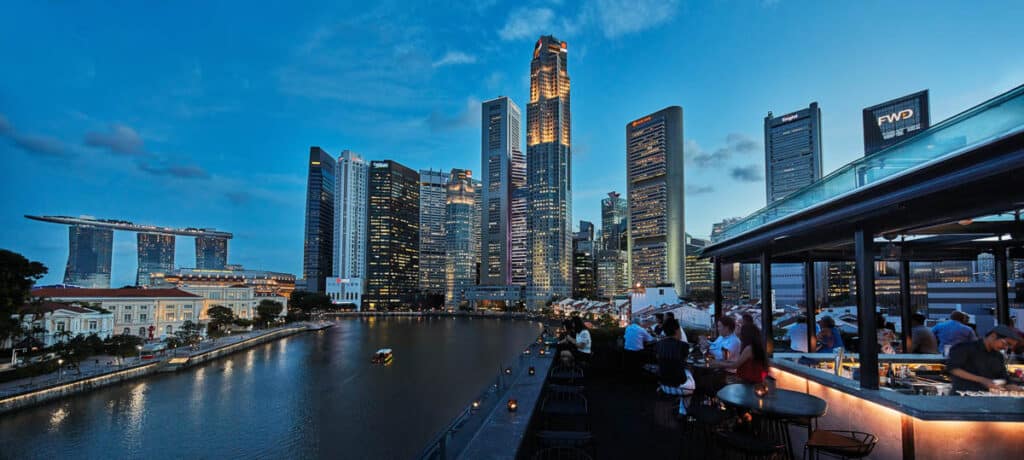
{"x":726,"y":341}
{"x":798,"y":334}
{"x":636,"y":336}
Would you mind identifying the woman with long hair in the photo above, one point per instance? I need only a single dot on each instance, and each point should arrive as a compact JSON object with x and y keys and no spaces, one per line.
{"x":752,"y":363}
{"x":580,"y":343}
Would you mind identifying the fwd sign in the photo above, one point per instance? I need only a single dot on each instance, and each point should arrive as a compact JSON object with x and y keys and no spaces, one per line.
{"x":894,"y":117}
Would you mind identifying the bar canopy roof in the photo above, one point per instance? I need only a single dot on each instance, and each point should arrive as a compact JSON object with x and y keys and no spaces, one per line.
{"x":924,"y":195}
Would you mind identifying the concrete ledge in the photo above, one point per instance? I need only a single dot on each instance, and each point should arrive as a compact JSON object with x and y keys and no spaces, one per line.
{"x":78,"y":386}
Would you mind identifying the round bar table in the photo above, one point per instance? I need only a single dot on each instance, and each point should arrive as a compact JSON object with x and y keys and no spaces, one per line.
{"x":778,"y":406}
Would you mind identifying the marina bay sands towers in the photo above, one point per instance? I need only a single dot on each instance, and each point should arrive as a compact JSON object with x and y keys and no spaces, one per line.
{"x":91,"y":243}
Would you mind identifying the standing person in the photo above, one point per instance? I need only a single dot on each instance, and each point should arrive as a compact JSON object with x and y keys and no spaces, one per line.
{"x":634,"y":340}
{"x":727,"y":345}
{"x":751,"y":365}
{"x":829,"y":339}
{"x":953,"y":331}
{"x":798,"y":334}
{"x":921,"y":339}
{"x":976,"y":365}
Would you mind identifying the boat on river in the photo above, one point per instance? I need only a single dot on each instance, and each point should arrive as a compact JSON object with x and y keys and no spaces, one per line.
{"x":383,"y":356}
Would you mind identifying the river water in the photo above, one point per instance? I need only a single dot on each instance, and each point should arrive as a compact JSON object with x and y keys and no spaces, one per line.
{"x":311,"y":395}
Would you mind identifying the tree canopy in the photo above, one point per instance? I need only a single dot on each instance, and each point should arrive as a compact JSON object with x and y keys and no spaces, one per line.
{"x":17,"y":276}
{"x":268,"y":310}
{"x":309,"y":301}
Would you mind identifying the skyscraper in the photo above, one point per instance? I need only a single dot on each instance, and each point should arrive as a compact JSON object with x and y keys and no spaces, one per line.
{"x":549,"y":173}
{"x":584,"y":269}
{"x":792,"y":152}
{"x":156,"y":255}
{"x":612,"y":261}
{"x":392,"y":253}
{"x":699,"y":270}
{"x":478,"y":206}
{"x":655,"y":190}
{"x":211,"y":252}
{"x":318,"y":245}
{"x":432,"y":227}
{"x":350,"y":206}
{"x":460,"y":250}
{"x":503,"y":176}
{"x":89,"y":254}
{"x":520,"y":197}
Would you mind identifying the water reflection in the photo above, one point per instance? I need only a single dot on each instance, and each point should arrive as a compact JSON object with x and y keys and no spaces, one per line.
{"x":310,"y":396}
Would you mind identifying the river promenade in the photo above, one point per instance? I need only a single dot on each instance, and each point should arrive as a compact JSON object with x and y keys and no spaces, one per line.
{"x":100,"y":371}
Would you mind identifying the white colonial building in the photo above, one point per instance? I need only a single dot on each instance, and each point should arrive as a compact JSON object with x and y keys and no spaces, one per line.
{"x":58,"y":322}
{"x":147,"y":313}
{"x":241,"y":299}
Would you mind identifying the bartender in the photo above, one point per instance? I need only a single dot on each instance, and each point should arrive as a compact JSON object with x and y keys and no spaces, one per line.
{"x":977,"y":365}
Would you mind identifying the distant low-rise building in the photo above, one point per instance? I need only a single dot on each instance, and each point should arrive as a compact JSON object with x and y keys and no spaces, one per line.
{"x":53,"y":322}
{"x":241,"y":299}
{"x":147,"y":313}
{"x":264,"y":283}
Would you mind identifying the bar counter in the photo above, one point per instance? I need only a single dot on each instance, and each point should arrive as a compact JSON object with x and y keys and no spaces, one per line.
{"x":908,"y":425}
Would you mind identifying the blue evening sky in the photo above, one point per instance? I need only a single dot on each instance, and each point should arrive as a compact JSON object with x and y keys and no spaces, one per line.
{"x":201,"y":113}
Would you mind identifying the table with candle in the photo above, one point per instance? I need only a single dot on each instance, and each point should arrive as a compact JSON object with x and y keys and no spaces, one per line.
{"x":776,"y":406}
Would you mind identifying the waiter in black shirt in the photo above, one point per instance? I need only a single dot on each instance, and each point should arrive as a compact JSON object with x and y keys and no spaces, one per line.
{"x":976,"y":365}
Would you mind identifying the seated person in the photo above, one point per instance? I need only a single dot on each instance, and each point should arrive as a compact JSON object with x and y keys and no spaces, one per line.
{"x":680,"y":334}
{"x":751,"y":365}
{"x":829,"y":339}
{"x":635,"y":339}
{"x":671,"y":353}
{"x":976,"y":365}
{"x":579,"y":345}
{"x":921,"y":339}
{"x":727,"y":345}
{"x":798,"y":334}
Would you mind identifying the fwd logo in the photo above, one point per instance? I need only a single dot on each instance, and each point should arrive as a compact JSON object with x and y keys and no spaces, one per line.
{"x":894,"y":117}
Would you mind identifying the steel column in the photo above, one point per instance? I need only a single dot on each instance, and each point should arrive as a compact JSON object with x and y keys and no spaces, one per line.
{"x":906,"y":311}
{"x":810,"y":304}
{"x":766,"y":300}
{"x":719,"y":306}
{"x":864,"y":249}
{"x":1002,"y":296}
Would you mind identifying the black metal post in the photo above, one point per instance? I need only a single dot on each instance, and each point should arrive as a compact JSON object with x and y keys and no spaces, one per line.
{"x":906,"y":310}
{"x":864,"y":248}
{"x":810,"y":306}
{"x":718,"y":290}
{"x":1002,"y":296}
{"x":766,"y":301}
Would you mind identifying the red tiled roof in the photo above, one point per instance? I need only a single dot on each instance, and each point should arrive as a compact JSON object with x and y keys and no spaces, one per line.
{"x":50,"y":307}
{"x":58,"y":293}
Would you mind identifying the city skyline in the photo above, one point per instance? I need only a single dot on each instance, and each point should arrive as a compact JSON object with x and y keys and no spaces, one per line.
{"x":170,"y":147}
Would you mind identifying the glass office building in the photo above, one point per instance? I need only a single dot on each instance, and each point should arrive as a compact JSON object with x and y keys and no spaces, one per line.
{"x":211,"y":252}
{"x":460,"y":243}
{"x":393,"y":232}
{"x":433,"y":192}
{"x":89,"y":254}
{"x":318,"y":245}
{"x":156,"y":255}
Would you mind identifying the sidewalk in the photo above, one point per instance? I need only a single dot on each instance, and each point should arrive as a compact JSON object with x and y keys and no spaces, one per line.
{"x":98,"y":365}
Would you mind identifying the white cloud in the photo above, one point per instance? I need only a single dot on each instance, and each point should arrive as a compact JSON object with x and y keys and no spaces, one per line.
{"x":622,"y":17}
{"x":454,"y":57}
{"x":527,"y":23}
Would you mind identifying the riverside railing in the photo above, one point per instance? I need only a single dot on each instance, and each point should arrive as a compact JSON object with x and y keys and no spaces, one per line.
{"x":450,"y":441}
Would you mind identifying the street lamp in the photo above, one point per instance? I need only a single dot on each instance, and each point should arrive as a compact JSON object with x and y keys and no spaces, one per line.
{"x":139,"y":347}
{"x":60,"y":369}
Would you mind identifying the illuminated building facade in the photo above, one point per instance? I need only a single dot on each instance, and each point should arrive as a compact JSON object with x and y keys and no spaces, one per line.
{"x":156,"y":254}
{"x":699,"y":270}
{"x":549,"y":174}
{"x":612,"y":261}
{"x":211,"y":252}
{"x":584,"y":268}
{"x":393,"y":221}
{"x":349,"y":254}
{"x":89,"y":254}
{"x":654,"y":192}
{"x":432,"y":226}
{"x":504,"y":175}
{"x":460,"y":243}
{"x":264,"y":283}
{"x":318,"y":245}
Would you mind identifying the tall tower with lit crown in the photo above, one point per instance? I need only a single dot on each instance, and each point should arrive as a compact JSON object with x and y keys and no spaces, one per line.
{"x":549,"y":174}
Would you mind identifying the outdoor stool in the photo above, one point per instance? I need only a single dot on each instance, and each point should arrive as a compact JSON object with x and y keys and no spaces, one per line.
{"x":842,"y":444}
{"x":750,"y":446}
{"x":562,"y":409}
{"x":572,"y":439}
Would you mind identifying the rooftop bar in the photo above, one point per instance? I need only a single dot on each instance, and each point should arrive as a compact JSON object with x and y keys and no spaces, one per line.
{"x":950,"y":193}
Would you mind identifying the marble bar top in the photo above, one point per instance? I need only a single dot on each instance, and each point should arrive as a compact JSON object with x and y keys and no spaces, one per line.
{"x":962,"y":408}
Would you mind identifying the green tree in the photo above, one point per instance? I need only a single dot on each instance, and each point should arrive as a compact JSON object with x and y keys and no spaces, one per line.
{"x":220,"y":316}
{"x":188,"y":333}
{"x":17,"y":276}
{"x":309,"y":301}
{"x":123,"y":345}
{"x":268,"y":310}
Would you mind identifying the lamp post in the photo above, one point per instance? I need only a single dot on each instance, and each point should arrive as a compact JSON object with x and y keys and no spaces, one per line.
{"x":139,"y":347}
{"x":60,"y":370}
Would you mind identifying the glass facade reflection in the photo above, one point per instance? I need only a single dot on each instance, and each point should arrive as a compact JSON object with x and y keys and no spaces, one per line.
{"x":393,"y":230}
{"x":318,"y":246}
{"x":89,"y":253}
{"x":156,"y":255}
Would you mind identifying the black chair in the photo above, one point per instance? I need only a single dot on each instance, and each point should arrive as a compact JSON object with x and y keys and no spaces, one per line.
{"x":841,"y":444}
{"x":704,"y":420}
{"x":749,"y":446}
{"x":565,"y":409}
{"x":570,"y":439}
{"x":565,"y":374}
{"x":562,"y":453}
